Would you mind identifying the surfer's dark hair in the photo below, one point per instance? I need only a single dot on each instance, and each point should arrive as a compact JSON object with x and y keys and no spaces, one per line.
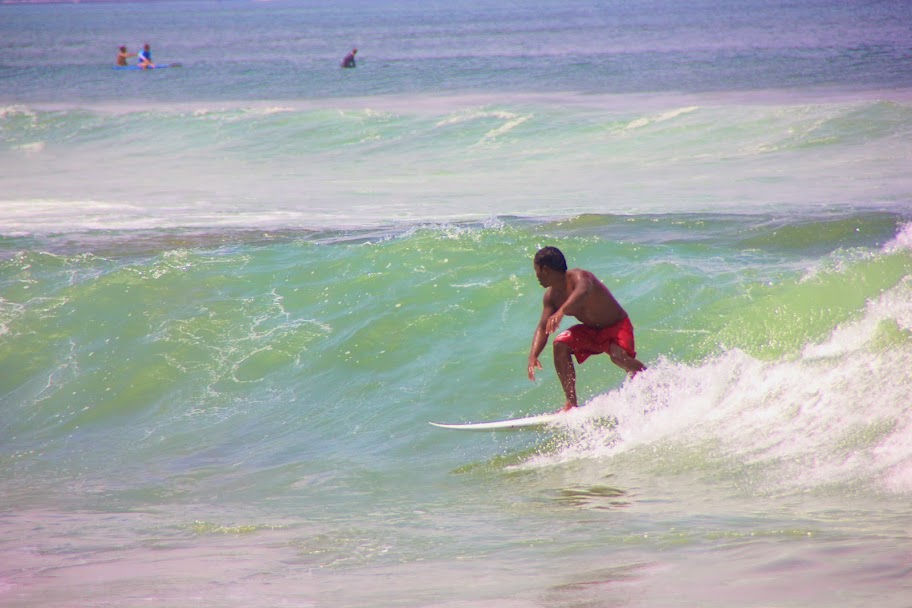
{"x":551,"y":257}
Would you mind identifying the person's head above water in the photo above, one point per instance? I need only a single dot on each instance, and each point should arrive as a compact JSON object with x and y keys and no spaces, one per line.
{"x":551,"y":257}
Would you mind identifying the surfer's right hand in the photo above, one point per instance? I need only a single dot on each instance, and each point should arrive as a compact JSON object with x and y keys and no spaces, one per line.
{"x":534,"y":364}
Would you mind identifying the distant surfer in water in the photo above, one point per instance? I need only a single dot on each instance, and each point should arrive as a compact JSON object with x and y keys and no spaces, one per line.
{"x":604,"y":328}
{"x":349,"y":61}
{"x":123,"y":55}
{"x":145,"y":57}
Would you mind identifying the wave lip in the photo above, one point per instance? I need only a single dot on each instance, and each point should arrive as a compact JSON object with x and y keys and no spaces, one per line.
{"x":335,"y":165}
{"x":832,"y":416}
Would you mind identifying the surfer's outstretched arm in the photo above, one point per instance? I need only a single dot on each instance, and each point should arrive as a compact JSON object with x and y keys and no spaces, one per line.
{"x":540,"y":337}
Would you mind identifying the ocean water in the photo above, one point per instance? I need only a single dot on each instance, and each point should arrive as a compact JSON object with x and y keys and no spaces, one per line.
{"x":233,"y":294}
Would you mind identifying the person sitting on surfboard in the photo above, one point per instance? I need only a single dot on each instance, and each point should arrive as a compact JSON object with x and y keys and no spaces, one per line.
{"x":145,"y":57}
{"x":123,"y":55}
{"x":349,"y":61}
{"x":604,"y":328}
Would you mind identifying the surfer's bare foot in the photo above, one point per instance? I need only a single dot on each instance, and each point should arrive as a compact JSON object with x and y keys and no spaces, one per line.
{"x":567,"y":407}
{"x":632,"y":374}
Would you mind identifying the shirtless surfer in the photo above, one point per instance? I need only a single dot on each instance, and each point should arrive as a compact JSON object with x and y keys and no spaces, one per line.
{"x":604,"y":328}
{"x":122,"y":56}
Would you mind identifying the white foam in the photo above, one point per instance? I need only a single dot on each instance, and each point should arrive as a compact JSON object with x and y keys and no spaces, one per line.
{"x":902,"y":241}
{"x":660,"y":117}
{"x":32,"y":149}
{"x":836,"y":414}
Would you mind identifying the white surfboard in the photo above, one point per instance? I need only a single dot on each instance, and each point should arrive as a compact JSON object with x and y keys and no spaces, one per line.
{"x":529,"y":422}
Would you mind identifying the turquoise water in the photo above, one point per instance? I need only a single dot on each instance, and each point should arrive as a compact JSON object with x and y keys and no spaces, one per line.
{"x":233,"y":295}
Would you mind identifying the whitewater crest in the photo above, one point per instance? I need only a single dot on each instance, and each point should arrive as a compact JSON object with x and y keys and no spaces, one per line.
{"x":833,"y":415}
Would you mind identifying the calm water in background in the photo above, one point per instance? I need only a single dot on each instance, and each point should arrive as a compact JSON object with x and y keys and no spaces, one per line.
{"x":233,"y":294}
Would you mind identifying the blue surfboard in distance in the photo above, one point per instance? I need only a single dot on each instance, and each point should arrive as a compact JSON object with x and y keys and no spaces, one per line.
{"x":158,"y":66}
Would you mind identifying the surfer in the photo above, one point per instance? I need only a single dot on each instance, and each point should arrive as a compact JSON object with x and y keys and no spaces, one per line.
{"x":604,"y":325}
{"x":145,"y":57}
{"x":123,"y":55}
{"x":349,"y":61}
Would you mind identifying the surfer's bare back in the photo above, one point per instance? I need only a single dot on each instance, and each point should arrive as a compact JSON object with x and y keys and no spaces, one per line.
{"x":604,"y":325}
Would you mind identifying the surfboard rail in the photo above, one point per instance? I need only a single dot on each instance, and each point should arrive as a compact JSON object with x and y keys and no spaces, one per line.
{"x":157,"y":66}
{"x":514,"y":424}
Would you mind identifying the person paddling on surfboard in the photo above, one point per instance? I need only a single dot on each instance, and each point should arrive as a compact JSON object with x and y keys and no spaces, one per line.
{"x":122,"y":57}
{"x":604,"y":325}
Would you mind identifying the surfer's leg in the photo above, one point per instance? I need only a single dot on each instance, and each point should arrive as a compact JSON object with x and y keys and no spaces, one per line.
{"x":623,"y":360}
{"x":563,"y":363}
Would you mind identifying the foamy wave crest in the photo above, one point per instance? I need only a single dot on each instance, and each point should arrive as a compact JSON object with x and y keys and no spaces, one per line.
{"x":902,"y":242}
{"x":662,"y":117}
{"x":509,"y":121}
{"x":505,"y":128}
{"x":835,"y":415}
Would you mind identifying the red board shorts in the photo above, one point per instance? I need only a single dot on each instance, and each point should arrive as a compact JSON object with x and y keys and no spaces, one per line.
{"x":584,"y":340}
